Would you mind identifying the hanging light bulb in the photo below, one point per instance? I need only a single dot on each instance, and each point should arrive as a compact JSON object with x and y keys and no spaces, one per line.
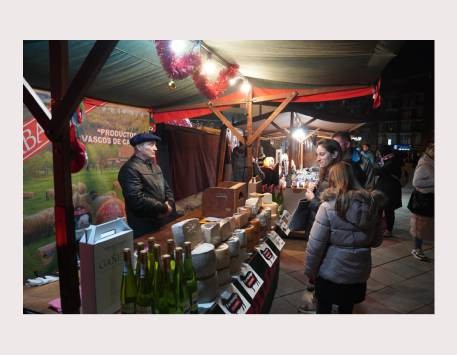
{"x":178,"y":46}
{"x":209,"y":67}
{"x":246,"y":87}
{"x":171,"y":85}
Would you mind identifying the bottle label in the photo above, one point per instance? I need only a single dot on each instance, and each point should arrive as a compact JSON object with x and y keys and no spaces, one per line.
{"x":143,"y":309}
{"x":128,"y":308}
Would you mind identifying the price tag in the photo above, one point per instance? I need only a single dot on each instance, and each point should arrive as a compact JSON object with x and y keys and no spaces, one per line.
{"x":232,"y":301}
{"x":283,"y":222}
{"x":276,"y":239}
{"x":267,"y":254}
{"x":249,"y":280}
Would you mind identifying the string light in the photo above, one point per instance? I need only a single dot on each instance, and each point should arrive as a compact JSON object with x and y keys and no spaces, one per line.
{"x":179,"y":46}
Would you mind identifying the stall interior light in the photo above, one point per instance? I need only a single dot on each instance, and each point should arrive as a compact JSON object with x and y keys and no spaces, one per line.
{"x":299,"y":134}
{"x":245,"y":87}
{"x":179,"y":46}
{"x":209,"y":67}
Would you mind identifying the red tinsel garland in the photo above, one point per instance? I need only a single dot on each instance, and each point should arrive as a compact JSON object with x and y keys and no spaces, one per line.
{"x":213,"y":90}
{"x":179,"y":68}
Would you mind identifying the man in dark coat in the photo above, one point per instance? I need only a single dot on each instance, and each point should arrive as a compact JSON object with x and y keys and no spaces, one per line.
{"x":148,"y":198}
{"x":361,"y":166}
{"x":389,"y":172}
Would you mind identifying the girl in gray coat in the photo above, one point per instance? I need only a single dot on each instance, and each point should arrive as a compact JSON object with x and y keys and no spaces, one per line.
{"x":338,"y":255}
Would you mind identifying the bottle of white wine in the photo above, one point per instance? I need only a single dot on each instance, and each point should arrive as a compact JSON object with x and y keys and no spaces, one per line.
{"x":151,"y":242}
{"x":171,"y":251}
{"x":138,"y":248}
{"x":144,"y":300}
{"x":157,"y":275}
{"x":179,"y":284}
{"x":190,"y":277}
{"x":166,"y":302}
{"x":128,"y":284}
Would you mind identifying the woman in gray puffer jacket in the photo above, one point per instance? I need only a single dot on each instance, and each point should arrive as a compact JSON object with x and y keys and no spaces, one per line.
{"x":338,"y":255}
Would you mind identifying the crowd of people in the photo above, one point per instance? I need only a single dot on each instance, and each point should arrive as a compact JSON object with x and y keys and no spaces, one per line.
{"x":349,"y":210}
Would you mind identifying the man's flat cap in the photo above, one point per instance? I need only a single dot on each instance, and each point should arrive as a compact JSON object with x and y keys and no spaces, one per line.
{"x":144,"y":137}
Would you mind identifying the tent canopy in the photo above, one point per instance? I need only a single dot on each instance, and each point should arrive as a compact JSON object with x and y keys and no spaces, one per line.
{"x":133,"y":74}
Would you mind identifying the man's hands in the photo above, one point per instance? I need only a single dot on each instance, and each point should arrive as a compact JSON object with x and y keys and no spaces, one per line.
{"x":169,"y":210}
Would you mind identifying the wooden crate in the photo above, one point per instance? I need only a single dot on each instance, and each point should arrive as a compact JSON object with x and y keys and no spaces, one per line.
{"x":224,"y":199}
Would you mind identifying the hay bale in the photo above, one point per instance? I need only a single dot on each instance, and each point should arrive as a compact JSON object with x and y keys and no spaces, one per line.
{"x":38,"y":224}
{"x":28,"y":195}
{"x":50,"y":194}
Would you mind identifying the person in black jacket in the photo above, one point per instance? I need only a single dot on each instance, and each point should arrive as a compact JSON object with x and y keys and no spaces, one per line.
{"x":148,"y":198}
{"x":361,"y":166}
{"x":389,"y":173}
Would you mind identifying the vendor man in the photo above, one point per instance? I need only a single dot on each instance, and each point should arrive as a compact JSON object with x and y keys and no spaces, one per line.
{"x":148,"y":198}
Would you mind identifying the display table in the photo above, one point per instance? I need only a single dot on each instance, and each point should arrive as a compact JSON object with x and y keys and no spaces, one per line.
{"x":36,"y":299}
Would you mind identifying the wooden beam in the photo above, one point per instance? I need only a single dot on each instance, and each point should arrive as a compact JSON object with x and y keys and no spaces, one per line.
{"x":36,"y":107}
{"x":64,"y":210}
{"x":83,"y":80}
{"x":272,"y":117}
{"x":356,"y":126}
{"x":228,"y":124}
{"x":221,"y":155}
{"x":285,"y":130}
{"x":249,"y":148}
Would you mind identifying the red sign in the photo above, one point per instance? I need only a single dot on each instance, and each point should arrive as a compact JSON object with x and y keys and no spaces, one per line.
{"x":34,"y":139}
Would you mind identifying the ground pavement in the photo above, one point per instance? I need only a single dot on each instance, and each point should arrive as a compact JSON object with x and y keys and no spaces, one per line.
{"x":399,"y":283}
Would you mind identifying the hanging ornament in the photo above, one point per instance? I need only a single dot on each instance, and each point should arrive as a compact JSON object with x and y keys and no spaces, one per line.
{"x":177,"y":68}
{"x":171,"y":85}
{"x":214,"y":89}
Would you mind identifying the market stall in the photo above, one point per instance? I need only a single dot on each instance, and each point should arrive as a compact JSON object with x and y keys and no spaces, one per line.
{"x":145,"y":74}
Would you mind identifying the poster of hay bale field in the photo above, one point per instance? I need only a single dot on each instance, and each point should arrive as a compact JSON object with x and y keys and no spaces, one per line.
{"x":97,"y":196}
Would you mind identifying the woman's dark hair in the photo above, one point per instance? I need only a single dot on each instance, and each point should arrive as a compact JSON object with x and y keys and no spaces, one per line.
{"x":330,"y":146}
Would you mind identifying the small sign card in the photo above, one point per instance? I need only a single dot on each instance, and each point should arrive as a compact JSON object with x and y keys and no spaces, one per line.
{"x":276,"y":239}
{"x":232,"y":301}
{"x":249,"y":280}
{"x":267,"y":254}
{"x":283,"y":222}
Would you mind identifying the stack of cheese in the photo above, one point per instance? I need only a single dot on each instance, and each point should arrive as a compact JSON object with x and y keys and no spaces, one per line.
{"x":254,"y":203}
{"x":204,"y":263}
{"x":234,"y":252}
{"x":273,"y":206}
{"x":241,"y":235}
{"x":187,"y":230}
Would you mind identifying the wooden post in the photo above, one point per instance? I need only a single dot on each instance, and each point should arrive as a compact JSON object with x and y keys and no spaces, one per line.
{"x":64,"y":210}
{"x":249,"y":168}
{"x":221,"y":155}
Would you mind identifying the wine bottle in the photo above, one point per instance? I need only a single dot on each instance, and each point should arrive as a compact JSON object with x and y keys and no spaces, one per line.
{"x":190,"y":277}
{"x":171,"y":251}
{"x":151,"y":242}
{"x":179,"y":284}
{"x":144,"y":300}
{"x":166,"y":302}
{"x":128,"y":284}
{"x":138,"y":248}
{"x":157,"y":274}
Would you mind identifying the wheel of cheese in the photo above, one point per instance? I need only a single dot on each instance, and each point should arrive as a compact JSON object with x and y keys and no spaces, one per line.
{"x":241,"y":234}
{"x":204,"y":260}
{"x":235,"y":265}
{"x":187,"y":230}
{"x":211,"y":233}
{"x":234,"y":246}
{"x":225,"y":229}
{"x":222,"y":256}
{"x":237,"y":218}
{"x":267,"y":198}
{"x":207,"y":289}
{"x":273,"y":206}
{"x":223,"y":276}
{"x":274,"y":219}
{"x":246,"y":210}
{"x":243,"y":255}
{"x":250,"y":237}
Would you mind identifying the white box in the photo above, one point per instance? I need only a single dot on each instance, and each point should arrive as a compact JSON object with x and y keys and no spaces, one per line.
{"x":101,"y":263}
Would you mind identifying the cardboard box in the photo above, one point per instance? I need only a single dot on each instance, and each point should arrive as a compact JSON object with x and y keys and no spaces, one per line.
{"x":255,"y":185}
{"x":101,"y":263}
{"x":224,"y":199}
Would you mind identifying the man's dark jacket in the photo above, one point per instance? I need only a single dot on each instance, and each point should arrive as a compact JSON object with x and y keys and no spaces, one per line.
{"x":145,"y":192}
